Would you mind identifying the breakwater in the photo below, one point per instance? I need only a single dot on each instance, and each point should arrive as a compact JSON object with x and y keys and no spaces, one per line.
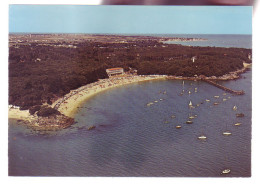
{"x":240,"y":92}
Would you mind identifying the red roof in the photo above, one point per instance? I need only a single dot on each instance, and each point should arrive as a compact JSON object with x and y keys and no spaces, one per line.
{"x":115,"y":69}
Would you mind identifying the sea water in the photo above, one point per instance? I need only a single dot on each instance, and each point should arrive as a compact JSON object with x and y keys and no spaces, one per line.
{"x":133,"y":139}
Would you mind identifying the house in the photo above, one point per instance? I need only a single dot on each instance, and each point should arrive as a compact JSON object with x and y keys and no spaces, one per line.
{"x":114,"y":71}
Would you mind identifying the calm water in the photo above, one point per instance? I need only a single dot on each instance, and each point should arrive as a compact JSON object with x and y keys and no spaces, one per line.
{"x":132,"y":139}
{"x":240,"y":41}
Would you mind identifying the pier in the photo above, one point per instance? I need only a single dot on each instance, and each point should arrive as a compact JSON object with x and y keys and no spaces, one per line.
{"x":223,"y":87}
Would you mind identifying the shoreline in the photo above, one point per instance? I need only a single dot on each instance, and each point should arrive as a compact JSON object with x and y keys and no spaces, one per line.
{"x":68,"y":104}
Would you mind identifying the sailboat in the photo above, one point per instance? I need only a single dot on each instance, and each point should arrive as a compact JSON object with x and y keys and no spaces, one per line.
{"x":190,"y":114}
{"x":227,"y":133}
{"x":190,"y":104}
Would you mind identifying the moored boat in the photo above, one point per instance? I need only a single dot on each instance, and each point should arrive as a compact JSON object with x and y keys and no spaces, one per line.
{"x":191,"y":117}
{"x":240,"y":115}
{"x":189,"y":122}
{"x":226,"y":171}
{"x":202,"y":137}
{"x":178,"y":127}
{"x":91,"y":127}
{"x":237,"y":124}
{"x":227,"y":133}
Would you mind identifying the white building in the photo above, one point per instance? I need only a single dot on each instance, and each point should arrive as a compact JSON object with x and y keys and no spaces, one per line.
{"x":114,"y":71}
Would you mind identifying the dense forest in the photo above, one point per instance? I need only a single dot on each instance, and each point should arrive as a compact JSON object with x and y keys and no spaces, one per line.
{"x":40,"y":73}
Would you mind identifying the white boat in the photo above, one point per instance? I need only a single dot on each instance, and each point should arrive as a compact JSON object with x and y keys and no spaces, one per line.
{"x":155,"y":101}
{"x":189,"y":122}
{"x":227,"y":133}
{"x":196,"y":90}
{"x":216,"y":103}
{"x":178,"y":127}
{"x":216,"y":96}
{"x":237,"y":124}
{"x":190,"y":104}
{"x":202,"y":137}
{"x":226,"y":171}
{"x":161,"y":99}
{"x":224,"y":99}
{"x":189,"y":92}
{"x":191,"y":117}
{"x":235,"y":108}
{"x":207,"y":100}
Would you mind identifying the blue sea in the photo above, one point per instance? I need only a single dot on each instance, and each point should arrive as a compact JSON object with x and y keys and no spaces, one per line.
{"x":133,"y":139}
{"x":217,"y":40}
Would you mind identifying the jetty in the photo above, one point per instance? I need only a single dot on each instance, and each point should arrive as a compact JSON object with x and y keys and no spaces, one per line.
{"x":223,"y":87}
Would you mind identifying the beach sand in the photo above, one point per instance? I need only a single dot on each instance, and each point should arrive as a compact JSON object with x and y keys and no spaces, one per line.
{"x":14,"y":113}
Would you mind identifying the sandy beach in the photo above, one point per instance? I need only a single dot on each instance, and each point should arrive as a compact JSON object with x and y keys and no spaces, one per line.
{"x":16,"y":113}
{"x":69,"y":103}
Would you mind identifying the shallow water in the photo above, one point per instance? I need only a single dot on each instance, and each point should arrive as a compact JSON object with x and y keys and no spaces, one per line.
{"x":132,"y":139}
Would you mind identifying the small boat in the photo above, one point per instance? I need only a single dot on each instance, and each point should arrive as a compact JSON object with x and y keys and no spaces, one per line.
{"x":190,"y":104}
{"x":161,"y":99}
{"x":191,"y":117}
{"x":229,"y":97}
{"x":178,"y":127}
{"x":189,"y":122}
{"x":166,"y":121}
{"x":240,"y":115}
{"x":216,"y":96}
{"x":164,"y":92}
{"x":207,"y":100}
{"x":227,"y":133}
{"x":189,"y":92}
{"x":202,"y":137}
{"x":91,"y":127}
{"x":224,"y":94}
{"x":151,"y":103}
{"x":235,"y":108}
{"x":226,"y":171}
{"x":155,"y":101}
{"x":198,"y":105}
{"x":224,"y":99}
{"x":173,"y":116}
{"x":216,"y":103}
{"x":196,"y":90}
{"x":237,"y":124}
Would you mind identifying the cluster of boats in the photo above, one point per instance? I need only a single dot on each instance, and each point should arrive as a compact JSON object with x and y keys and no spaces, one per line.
{"x":193,"y":116}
